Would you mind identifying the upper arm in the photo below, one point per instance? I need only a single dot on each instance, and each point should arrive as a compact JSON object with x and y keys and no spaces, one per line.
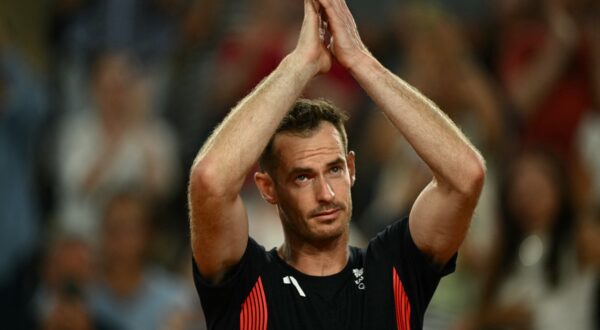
{"x":440,"y":218}
{"x":218,"y":226}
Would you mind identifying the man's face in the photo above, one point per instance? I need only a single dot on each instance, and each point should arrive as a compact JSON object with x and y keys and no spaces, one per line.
{"x":313,"y":177}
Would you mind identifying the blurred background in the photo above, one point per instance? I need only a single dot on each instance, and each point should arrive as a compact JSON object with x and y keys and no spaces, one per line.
{"x":104,"y":104}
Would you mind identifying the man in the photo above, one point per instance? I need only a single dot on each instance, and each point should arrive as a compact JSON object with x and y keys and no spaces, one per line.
{"x":314,"y":280}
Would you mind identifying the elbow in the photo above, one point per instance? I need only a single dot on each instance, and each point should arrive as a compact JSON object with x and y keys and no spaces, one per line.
{"x":472,"y":178}
{"x":204,"y":180}
{"x":475,"y":173}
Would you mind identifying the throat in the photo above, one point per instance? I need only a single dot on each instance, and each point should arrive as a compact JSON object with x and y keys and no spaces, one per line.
{"x":315,"y":261}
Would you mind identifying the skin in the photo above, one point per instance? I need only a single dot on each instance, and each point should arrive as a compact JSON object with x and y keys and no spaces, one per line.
{"x":439,"y":218}
{"x":311,"y":189}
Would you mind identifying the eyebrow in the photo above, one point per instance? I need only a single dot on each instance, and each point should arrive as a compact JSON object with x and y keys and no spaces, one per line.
{"x":296,"y":170}
{"x":336,"y":161}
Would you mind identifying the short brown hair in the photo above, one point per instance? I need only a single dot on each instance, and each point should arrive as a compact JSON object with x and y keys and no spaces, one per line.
{"x":303,"y":120}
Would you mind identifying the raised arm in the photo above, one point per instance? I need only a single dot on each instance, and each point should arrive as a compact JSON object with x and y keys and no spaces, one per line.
{"x":440,"y":217}
{"x":218,"y":219}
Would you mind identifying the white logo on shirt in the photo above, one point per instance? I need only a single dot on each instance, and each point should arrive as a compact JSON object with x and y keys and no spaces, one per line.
{"x":358,"y":273}
{"x":292,"y":280}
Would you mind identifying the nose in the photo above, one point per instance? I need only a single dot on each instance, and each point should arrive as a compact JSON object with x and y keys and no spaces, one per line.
{"x":324,"y":191}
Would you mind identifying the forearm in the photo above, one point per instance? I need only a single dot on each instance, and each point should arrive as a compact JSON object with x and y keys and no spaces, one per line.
{"x":450,"y":156}
{"x":235,"y":146}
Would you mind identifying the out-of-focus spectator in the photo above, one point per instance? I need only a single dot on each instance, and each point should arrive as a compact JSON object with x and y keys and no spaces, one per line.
{"x":253,"y":50}
{"x":548,"y":59}
{"x":144,"y":27}
{"x":82,"y":28}
{"x":375,"y":25}
{"x":132,"y":292}
{"x":22,"y":111}
{"x":62,"y":297}
{"x":440,"y":63}
{"x":190,"y":72}
{"x":118,"y":144}
{"x":536,"y":278}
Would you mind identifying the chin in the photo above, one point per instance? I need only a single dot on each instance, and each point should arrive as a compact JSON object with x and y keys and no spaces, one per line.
{"x":327,"y":232}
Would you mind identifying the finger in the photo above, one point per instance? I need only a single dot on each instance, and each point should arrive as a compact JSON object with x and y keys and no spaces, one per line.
{"x":311,"y":17}
{"x":316,"y":5}
{"x":344,"y":12}
{"x":309,"y":8}
{"x":330,"y":13}
{"x":330,"y":47}
{"x":322,"y":27}
{"x":335,"y":6}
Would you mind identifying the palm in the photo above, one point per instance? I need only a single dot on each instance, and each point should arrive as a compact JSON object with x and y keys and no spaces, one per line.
{"x":346,"y":45}
{"x":310,"y":44}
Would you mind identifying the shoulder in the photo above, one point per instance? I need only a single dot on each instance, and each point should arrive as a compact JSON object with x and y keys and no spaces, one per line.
{"x":250,"y":265}
{"x":392,"y":234}
{"x":395,"y":245}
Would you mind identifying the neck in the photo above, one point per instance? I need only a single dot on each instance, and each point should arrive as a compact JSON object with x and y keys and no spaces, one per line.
{"x":316,"y":259}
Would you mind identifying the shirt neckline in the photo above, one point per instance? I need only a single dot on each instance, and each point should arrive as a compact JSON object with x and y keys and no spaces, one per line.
{"x":295,"y":272}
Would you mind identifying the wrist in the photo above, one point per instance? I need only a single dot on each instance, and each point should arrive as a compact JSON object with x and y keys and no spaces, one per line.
{"x":363,"y":65}
{"x":301,"y":67}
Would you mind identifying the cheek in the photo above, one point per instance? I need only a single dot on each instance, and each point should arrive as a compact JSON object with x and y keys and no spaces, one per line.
{"x":296,"y":203}
{"x":342,"y":189}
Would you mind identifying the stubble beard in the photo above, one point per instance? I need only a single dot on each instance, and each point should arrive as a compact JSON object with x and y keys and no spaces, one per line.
{"x":305,"y":229}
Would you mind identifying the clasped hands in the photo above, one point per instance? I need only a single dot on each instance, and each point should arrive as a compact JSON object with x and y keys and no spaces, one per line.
{"x":329,"y":31}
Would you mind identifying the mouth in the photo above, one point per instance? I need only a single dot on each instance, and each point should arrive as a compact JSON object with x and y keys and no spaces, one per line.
{"x":327,"y":215}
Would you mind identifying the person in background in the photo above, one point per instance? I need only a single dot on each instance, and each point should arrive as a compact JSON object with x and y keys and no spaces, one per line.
{"x":23,"y":110}
{"x":131,"y":291}
{"x":116,"y":145}
{"x":62,"y":299}
{"x":537,"y":279}
{"x":548,"y":60}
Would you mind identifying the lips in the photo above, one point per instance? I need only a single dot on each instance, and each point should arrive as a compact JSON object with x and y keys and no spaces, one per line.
{"x":327,"y":215}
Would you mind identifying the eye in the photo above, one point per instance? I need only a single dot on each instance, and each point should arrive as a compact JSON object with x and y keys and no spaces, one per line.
{"x":301,"y":178}
{"x":335,"y":169}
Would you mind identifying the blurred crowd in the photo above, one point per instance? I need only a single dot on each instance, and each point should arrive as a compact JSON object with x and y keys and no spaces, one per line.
{"x":105,"y":103}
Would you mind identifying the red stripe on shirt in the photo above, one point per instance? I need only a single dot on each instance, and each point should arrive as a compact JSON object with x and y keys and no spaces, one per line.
{"x":401,"y":303}
{"x":254,"y":313}
{"x":263,"y":301}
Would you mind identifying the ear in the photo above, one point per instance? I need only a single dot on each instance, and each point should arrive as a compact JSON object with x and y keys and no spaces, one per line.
{"x":350,"y":160}
{"x":266,"y":186}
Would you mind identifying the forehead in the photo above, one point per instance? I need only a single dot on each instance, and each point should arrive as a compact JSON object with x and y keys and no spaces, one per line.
{"x":322,"y":145}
